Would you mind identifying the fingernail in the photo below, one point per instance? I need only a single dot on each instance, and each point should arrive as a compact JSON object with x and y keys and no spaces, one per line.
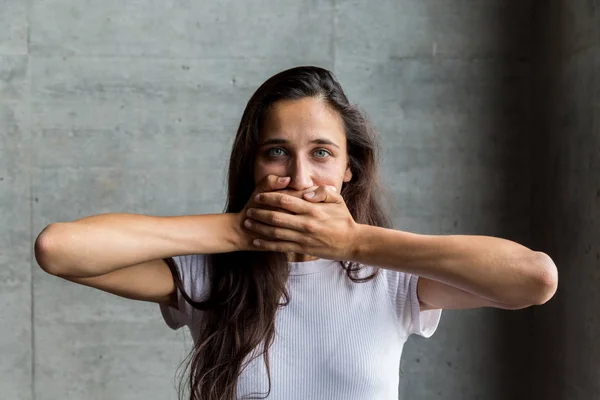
{"x":283,"y":179}
{"x":257,"y":198}
{"x":247,"y":223}
{"x":309,"y":194}
{"x":332,"y":188}
{"x":249,"y":212}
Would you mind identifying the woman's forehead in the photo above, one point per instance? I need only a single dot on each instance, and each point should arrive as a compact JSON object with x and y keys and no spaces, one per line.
{"x":304,"y":120}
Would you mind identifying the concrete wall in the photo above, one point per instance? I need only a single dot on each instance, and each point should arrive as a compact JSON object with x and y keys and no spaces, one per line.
{"x":130,"y":107}
{"x":566,"y":207}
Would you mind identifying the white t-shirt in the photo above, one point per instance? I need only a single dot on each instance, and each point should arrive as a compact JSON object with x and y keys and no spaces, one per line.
{"x":336,"y":339}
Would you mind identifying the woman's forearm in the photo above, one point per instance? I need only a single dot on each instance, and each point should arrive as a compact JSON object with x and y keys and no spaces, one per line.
{"x":496,"y":269}
{"x":100,"y":244}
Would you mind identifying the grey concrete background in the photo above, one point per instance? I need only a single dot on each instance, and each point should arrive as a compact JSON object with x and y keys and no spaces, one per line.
{"x":486,"y":111}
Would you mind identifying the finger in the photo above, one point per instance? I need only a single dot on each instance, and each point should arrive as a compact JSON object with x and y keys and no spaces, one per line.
{"x":282,"y":201}
{"x":277,"y":246}
{"x":274,"y":218}
{"x":316,"y":196}
{"x":298,"y":193}
{"x":325,"y":194}
{"x":270,"y":232}
{"x":272,"y":182}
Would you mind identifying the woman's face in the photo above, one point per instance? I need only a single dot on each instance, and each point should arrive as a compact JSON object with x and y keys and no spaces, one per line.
{"x":305,"y":140}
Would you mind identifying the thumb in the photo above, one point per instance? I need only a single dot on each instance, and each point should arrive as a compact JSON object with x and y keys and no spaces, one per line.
{"x":325,"y":194}
{"x":272,"y":182}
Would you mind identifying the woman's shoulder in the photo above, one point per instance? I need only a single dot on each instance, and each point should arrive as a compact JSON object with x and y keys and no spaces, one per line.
{"x":393,"y":275}
{"x":192,"y":271}
{"x":398,"y":281}
{"x":190,"y":264}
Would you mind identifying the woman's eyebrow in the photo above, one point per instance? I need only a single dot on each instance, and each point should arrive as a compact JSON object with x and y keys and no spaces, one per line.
{"x":285,"y":141}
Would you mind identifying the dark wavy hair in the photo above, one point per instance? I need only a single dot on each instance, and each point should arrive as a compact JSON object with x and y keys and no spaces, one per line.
{"x":248,"y":287}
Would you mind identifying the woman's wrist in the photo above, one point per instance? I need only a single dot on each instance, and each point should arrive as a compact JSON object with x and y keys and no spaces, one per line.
{"x":205,"y":233}
{"x":357,"y":248}
{"x":237,"y":236}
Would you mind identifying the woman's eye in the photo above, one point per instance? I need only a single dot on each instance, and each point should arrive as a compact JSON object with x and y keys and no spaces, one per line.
{"x":321,"y":153}
{"x":275,"y":152}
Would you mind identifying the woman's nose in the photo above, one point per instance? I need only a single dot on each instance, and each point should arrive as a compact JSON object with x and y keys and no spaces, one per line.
{"x":300,"y":176}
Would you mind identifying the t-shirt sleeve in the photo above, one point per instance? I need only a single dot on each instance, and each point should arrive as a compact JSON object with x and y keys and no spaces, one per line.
{"x":403,"y":289}
{"x":192,"y":272}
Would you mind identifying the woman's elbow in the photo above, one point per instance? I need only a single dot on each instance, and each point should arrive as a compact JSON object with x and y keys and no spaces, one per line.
{"x":546,"y":278}
{"x":539,"y":282}
{"x":43,"y":250}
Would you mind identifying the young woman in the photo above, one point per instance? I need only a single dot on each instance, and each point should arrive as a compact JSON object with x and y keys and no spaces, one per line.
{"x":300,"y":290}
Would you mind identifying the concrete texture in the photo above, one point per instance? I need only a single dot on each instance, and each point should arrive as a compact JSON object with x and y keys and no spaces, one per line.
{"x":14,"y":26}
{"x":132,"y":107}
{"x":15,"y":228}
{"x":566,"y":207}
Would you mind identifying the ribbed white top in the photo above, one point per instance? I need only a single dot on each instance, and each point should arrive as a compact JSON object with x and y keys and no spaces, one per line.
{"x":335,"y":340}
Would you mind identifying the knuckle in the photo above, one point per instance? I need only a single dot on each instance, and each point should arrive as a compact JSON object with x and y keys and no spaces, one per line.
{"x":310,"y":227}
{"x":275,"y":219}
{"x":313,"y":213}
{"x":284,"y":200}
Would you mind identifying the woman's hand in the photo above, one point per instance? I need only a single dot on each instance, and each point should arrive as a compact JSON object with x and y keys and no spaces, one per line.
{"x":319,"y":224}
{"x":270,"y":183}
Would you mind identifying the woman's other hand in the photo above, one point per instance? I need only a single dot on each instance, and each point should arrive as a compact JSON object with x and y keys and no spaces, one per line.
{"x":271,"y":183}
{"x":316,"y":223}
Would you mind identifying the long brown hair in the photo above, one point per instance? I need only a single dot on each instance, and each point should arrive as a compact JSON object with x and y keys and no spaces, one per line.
{"x":247,"y":288}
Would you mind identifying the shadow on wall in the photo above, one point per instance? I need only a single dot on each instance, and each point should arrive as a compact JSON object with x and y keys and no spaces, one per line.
{"x":502,"y":367}
{"x":512,"y":125}
{"x":554,"y":111}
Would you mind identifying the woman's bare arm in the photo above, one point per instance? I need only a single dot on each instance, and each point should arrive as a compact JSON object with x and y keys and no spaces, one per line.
{"x":463,"y":271}
{"x":123,"y":254}
{"x":457,"y":271}
{"x":101,"y":244}
{"x":150,"y":281}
